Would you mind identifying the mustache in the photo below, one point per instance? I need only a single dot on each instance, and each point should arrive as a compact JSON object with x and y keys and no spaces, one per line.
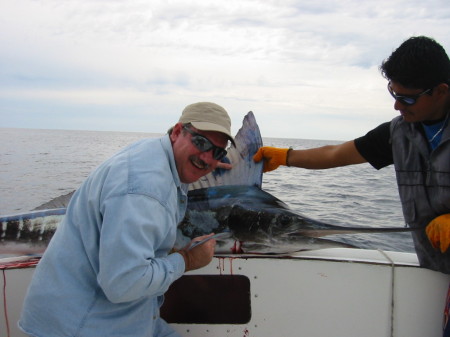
{"x":199,"y":163}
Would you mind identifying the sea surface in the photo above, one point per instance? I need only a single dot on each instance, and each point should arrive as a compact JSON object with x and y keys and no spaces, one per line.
{"x":39,"y":165}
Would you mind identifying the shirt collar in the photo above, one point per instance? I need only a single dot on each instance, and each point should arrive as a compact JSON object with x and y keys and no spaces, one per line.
{"x":167,"y":146}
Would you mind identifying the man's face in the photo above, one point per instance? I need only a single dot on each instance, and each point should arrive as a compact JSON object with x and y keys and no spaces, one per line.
{"x":425,"y":108}
{"x":192,"y":164}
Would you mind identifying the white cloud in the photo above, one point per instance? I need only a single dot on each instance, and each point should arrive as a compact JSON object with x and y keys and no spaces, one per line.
{"x":307,"y":69}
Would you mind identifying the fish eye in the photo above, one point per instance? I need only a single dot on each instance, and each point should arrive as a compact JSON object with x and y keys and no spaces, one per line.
{"x":284,"y":220}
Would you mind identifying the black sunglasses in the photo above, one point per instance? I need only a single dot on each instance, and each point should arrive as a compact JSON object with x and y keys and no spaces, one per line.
{"x":204,"y":144}
{"x":407,"y":99}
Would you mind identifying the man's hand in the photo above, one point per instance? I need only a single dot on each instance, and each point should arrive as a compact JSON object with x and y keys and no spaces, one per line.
{"x":273,"y":157}
{"x":200,"y":255}
{"x":438,"y":232}
{"x":225,"y":166}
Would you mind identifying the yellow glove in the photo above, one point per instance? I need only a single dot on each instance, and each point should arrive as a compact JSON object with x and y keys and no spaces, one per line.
{"x":438,"y":232}
{"x":273,"y":157}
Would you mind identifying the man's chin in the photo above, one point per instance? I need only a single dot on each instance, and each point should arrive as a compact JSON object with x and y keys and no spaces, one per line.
{"x":408,"y":118}
{"x":192,"y":178}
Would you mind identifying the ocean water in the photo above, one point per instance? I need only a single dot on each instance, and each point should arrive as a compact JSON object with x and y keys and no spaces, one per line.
{"x":39,"y":165}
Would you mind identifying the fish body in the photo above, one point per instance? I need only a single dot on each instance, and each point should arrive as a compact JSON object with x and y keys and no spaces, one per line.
{"x":29,"y":233}
{"x":229,"y":201}
{"x":258,"y":221}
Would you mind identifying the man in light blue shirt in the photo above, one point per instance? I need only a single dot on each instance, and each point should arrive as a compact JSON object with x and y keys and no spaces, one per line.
{"x":109,"y":263}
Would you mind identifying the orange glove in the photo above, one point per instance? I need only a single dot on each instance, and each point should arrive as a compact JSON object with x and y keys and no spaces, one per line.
{"x":273,"y":157}
{"x":438,"y":232}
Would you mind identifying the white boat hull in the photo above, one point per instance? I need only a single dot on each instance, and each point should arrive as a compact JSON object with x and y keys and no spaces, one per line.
{"x":329,"y":292}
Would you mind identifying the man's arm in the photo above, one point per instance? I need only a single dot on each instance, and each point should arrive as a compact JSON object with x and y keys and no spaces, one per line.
{"x":317,"y":158}
{"x":326,"y":156}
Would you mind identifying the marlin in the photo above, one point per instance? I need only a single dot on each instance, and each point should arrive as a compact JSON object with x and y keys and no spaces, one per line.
{"x":231,"y":202}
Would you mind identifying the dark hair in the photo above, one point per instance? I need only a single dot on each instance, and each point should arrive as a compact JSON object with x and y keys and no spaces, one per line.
{"x":419,"y":63}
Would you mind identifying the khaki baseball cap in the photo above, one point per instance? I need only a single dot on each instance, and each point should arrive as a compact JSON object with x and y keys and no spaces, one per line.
{"x":207,"y":116}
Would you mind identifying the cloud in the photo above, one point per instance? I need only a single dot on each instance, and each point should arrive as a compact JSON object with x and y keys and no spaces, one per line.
{"x":307,"y":69}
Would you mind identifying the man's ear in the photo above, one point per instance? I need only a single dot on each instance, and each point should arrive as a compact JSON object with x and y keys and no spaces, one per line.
{"x":441,"y":89}
{"x":176,"y":131}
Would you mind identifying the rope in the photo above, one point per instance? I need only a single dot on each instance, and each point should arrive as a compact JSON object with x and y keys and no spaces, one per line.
{"x":14,"y":263}
{"x":27,"y":262}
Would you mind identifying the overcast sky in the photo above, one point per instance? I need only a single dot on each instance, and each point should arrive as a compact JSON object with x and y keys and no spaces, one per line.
{"x":307,"y":69}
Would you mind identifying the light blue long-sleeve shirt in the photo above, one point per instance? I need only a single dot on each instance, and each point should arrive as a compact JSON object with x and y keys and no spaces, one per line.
{"x":108,"y":264}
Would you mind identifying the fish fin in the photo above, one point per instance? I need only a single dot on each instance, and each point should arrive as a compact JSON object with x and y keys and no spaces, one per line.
{"x":59,"y":202}
{"x":245,"y":171}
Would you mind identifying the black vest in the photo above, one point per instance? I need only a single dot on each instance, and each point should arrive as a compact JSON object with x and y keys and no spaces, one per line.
{"x":423,"y":178}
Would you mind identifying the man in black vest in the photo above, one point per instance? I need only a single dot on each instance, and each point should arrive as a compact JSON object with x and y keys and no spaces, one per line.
{"x":417,"y":142}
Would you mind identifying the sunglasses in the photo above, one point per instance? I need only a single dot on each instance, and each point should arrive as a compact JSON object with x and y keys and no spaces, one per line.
{"x":203,"y":144}
{"x":407,"y":99}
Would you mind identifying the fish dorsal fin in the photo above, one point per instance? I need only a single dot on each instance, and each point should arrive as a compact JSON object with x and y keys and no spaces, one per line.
{"x":245,"y":171}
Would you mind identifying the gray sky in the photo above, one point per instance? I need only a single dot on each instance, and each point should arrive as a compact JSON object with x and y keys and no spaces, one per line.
{"x":307,"y":69}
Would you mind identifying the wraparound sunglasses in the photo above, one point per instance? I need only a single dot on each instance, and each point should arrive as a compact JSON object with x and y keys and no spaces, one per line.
{"x":407,"y":99}
{"x":203,"y":144}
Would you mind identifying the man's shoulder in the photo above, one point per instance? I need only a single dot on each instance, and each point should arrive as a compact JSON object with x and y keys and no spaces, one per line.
{"x":149,"y":169}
